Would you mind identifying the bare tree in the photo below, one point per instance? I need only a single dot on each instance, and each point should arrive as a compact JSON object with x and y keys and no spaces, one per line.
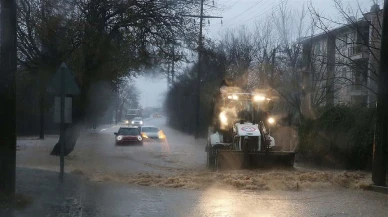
{"x":292,"y":83}
{"x":240,"y":50}
{"x":128,"y":97}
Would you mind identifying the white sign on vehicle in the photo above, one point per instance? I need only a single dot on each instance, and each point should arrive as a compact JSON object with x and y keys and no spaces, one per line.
{"x":248,"y":129}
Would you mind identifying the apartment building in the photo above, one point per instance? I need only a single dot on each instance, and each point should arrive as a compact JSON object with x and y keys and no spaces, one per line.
{"x":343,"y":63}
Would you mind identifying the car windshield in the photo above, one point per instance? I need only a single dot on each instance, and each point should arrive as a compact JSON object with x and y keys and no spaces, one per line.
{"x":137,"y":119}
{"x":129,"y":131}
{"x":150,"y":129}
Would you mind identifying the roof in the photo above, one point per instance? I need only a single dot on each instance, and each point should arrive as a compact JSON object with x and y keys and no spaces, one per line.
{"x":333,"y":32}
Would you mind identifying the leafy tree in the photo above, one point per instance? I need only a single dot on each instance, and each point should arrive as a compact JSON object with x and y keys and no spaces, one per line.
{"x":100,"y":40}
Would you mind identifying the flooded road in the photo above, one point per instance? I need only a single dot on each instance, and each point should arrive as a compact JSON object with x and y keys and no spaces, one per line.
{"x":77,"y":197}
{"x":172,"y":180}
{"x":96,"y":152}
{"x":179,"y":162}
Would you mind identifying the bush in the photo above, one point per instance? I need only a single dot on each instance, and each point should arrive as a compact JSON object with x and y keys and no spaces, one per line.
{"x":341,"y":137}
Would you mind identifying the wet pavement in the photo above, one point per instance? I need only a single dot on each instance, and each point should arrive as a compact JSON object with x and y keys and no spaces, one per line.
{"x":78,"y":197}
{"x":98,"y":183}
{"x":96,"y":152}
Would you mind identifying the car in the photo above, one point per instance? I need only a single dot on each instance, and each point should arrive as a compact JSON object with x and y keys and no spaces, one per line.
{"x":151,"y":133}
{"x":128,"y":135}
{"x":137,"y":121}
{"x":157,"y":116}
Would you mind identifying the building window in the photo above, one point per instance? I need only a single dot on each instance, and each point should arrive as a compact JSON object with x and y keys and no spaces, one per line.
{"x":343,"y":72}
{"x":318,"y":48}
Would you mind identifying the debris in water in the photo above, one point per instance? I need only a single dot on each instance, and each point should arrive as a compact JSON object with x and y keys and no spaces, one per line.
{"x":245,"y":180}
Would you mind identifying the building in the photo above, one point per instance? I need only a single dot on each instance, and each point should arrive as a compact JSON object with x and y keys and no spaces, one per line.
{"x":342,"y":63}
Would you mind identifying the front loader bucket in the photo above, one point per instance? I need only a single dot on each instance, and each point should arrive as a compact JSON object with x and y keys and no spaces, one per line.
{"x":235,"y":159}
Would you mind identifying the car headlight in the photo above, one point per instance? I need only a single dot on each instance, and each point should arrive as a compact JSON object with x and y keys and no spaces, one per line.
{"x":119,"y":138}
{"x":161,"y":135}
{"x":132,"y":122}
{"x":259,"y":98}
{"x":127,"y":122}
{"x":141,"y":122}
{"x":139,"y":138}
{"x":271,"y":120}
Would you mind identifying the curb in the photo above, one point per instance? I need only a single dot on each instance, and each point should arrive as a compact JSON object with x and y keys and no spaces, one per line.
{"x":379,"y":189}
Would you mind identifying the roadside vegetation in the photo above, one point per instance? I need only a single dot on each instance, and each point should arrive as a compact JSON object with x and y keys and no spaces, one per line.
{"x":270,"y":56}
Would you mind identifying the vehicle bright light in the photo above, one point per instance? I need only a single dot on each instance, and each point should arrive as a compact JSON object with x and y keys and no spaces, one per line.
{"x":132,"y":122}
{"x":161,"y":135}
{"x":141,"y":122}
{"x":223,"y":118}
{"x":230,"y":97}
{"x":258,"y":98}
{"x":119,"y":138}
{"x":235,"y":97}
{"x":127,"y":122}
{"x":144,"y":135}
{"x":271,"y":120}
{"x":139,"y":138}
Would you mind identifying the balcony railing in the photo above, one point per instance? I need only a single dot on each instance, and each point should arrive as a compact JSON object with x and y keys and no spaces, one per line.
{"x":357,"y":51}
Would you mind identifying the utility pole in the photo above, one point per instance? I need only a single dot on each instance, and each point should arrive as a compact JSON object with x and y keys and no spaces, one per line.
{"x":168,"y":76}
{"x":198,"y":85}
{"x":173,"y":64}
{"x":117,"y":103}
{"x":62,"y":125}
{"x":42,"y":83}
{"x":380,"y":148}
{"x":7,"y":95}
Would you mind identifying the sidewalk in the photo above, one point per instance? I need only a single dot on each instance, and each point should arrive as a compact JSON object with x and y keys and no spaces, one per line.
{"x":49,"y":197}
{"x":77,"y":197}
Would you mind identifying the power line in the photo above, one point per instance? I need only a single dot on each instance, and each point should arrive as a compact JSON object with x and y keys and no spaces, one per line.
{"x":245,"y":11}
{"x":256,"y":16}
{"x":269,"y":9}
{"x":228,"y":8}
{"x":233,"y":19}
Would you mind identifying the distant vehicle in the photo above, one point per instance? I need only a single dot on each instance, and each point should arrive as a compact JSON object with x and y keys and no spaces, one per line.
{"x":131,"y":114}
{"x":128,"y":135}
{"x":157,"y":116}
{"x":137,"y":121}
{"x":152,"y":133}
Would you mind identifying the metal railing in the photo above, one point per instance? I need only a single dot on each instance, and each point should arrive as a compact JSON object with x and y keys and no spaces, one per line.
{"x":356,"y":50}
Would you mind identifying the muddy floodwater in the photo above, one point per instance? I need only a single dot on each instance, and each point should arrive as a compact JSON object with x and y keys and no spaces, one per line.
{"x":177,"y":163}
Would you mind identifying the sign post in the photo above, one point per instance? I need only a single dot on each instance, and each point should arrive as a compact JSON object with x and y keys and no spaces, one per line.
{"x":62,"y":125}
{"x":67,"y":86}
